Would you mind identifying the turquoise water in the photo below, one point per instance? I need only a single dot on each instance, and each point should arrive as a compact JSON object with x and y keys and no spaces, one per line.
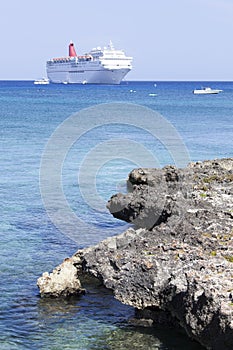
{"x":31,"y":240}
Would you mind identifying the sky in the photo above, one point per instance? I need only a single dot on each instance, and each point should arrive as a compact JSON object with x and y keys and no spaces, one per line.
{"x":168,"y":39}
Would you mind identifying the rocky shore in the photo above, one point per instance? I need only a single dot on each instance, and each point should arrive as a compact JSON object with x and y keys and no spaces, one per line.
{"x":175,"y":264}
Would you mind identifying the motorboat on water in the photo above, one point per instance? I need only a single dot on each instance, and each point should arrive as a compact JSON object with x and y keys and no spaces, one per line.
{"x":206,"y":90}
{"x":43,"y":81}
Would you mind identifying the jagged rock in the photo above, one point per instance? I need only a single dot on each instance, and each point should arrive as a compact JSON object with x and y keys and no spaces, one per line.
{"x":158,"y":194}
{"x":63,"y":281}
{"x":179,"y":256}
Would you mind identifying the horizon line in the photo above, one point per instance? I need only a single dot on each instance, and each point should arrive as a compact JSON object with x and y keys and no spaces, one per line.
{"x":136,"y":80}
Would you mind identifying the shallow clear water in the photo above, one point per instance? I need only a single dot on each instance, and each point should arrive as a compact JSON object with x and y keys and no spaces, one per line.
{"x":31,"y":243}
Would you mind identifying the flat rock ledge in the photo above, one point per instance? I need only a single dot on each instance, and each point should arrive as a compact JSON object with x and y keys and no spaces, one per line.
{"x":178,"y":256}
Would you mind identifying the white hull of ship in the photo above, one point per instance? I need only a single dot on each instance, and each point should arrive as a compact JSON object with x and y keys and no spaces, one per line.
{"x":98,"y":76}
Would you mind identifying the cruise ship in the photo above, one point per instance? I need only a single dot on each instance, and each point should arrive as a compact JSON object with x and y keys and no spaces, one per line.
{"x":99,"y":66}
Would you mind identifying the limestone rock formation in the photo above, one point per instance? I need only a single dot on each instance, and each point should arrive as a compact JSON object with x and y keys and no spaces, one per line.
{"x":178,"y":256}
{"x":62,"y":281}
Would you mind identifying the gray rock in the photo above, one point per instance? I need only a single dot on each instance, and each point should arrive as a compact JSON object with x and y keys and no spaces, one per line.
{"x":62,"y":281}
{"x":178,"y":259}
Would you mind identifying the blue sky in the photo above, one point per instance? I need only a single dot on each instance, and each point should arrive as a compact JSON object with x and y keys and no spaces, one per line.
{"x":168,"y":39}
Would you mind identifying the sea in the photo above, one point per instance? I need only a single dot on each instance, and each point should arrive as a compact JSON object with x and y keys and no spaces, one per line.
{"x":65,"y":150}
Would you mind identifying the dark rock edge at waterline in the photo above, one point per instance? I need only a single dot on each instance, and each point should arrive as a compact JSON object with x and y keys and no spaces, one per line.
{"x":177,"y":261}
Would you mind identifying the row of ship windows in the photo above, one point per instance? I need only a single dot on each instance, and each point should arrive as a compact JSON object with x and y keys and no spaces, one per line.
{"x":77,"y":71}
{"x":114,"y":58}
{"x":51,"y":63}
{"x":106,"y":59}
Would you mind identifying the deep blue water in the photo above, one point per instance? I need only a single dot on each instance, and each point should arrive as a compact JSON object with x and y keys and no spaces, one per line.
{"x":37,"y":235}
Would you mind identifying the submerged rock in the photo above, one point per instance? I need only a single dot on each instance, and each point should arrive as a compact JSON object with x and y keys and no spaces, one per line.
{"x":178,"y":258}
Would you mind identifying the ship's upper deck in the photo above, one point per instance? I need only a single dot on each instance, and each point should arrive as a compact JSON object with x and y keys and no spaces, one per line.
{"x":107,"y":53}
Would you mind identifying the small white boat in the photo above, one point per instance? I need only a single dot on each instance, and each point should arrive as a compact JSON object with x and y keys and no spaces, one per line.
{"x":206,"y":90}
{"x":42,"y":81}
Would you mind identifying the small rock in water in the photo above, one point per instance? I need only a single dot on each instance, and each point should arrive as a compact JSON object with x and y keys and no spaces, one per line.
{"x":63,"y":281}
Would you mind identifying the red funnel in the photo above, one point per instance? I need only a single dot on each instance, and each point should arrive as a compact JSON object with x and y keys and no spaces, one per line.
{"x":72,"y":52}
